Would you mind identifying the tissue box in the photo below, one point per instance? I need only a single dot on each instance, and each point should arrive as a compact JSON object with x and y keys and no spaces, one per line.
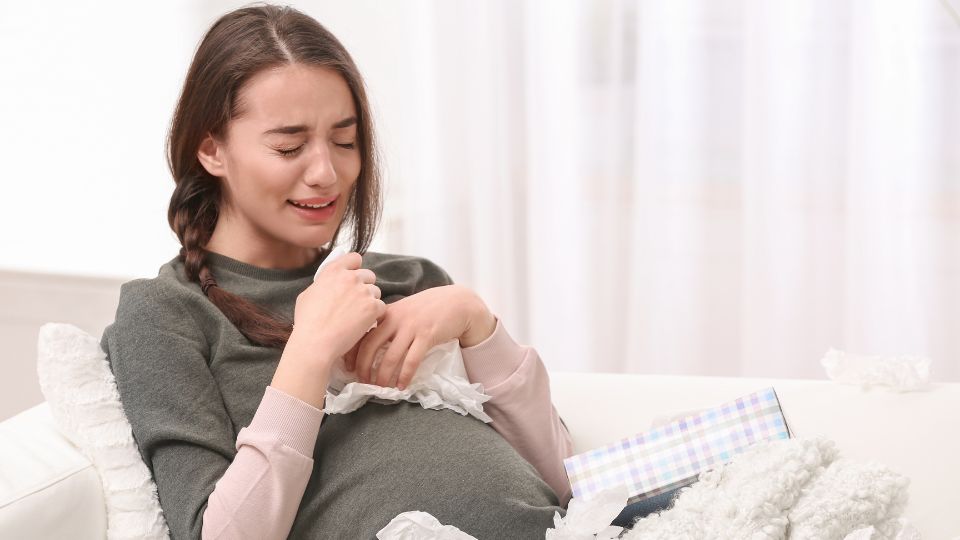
{"x":673,"y":455}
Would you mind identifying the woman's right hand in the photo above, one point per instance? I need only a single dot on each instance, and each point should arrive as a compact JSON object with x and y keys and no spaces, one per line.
{"x":330,"y":317}
{"x":334,"y":312}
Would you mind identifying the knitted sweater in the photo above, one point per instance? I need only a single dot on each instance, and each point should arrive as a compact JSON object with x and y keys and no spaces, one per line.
{"x":233,"y":457}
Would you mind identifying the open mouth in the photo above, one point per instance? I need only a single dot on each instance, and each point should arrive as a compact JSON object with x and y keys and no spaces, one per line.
{"x":315,"y":213}
{"x":312,"y":206}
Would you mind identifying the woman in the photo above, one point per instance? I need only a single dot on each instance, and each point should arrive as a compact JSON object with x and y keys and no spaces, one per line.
{"x":272,"y":151}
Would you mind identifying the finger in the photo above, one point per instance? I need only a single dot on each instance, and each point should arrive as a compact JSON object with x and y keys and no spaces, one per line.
{"x":390,"y":363}
{"x":415,"y":355}
{"x":369,"y":345}
{"x":350,"y":358}
{"x":374,"y":291}
{"x":366,"y":275}
{"x":350,"y":261}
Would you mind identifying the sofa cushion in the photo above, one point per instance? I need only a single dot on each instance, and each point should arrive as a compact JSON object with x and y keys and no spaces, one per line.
{"x":48,"y":489}
{"x":76,"y":379}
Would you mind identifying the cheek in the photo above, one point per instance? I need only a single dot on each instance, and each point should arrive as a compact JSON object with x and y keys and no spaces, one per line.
{"x":264,"y":174}
{"x":348,"y":167}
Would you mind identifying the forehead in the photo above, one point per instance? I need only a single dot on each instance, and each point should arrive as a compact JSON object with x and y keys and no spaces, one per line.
{"x":295,"y":94}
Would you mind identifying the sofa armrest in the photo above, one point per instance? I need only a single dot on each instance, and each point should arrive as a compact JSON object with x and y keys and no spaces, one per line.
{"x":48,"y":489}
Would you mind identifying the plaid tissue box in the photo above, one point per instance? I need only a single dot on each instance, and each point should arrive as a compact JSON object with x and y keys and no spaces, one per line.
{"x":674,"y":455}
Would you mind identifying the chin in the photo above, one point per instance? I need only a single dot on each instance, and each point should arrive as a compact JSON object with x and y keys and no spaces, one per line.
{"x":316,"y":241}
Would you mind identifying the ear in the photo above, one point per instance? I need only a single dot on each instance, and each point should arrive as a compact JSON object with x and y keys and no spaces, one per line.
{"x":211,"y":156}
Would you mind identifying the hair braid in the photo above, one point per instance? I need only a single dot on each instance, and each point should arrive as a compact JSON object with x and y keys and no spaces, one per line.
{"x":193,"y":215}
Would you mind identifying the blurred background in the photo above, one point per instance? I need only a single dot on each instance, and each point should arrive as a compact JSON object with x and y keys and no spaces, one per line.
{"x":708,"y":187}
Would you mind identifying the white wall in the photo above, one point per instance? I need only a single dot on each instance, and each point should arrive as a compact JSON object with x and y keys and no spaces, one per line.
{"x":86,"y":94}
{"x":31,"y":300}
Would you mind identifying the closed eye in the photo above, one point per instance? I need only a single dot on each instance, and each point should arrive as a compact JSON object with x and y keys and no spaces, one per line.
{"x":348,"y":146}
{"x":288,"y":151}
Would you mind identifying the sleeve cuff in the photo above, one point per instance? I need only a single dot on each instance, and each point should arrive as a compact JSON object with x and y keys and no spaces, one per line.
{"x":294,"y":422}
{"x":494,"y":359}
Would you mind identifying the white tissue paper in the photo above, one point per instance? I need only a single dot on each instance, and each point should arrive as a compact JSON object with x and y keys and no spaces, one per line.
{"x":439,"y":383}
{"x":590,"y":519}
{"x":900,"y":373}
{"x":420,"y":526}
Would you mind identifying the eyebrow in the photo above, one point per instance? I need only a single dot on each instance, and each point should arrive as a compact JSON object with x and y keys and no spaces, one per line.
{"x":300,"y":128}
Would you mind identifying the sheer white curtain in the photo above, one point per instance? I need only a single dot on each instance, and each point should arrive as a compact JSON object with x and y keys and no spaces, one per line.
{"x":692,"y":187}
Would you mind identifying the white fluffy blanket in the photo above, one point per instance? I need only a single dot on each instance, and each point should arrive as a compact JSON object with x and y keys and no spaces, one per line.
{"x":798,"y":489}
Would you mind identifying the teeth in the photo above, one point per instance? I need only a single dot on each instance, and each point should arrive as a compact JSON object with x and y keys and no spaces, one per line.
{"x":312,"y":205}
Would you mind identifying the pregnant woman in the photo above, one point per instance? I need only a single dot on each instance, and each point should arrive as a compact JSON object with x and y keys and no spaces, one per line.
{"x":223,"y":359}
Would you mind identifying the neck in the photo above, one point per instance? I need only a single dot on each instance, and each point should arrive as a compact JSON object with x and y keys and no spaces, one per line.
{"x":234,"y":241}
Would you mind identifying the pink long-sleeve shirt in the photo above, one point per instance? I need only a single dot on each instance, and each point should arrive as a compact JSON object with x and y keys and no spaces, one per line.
{"x":260,"y":492}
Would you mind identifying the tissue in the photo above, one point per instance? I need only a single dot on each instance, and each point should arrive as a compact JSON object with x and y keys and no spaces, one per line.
{"x":589,"y":519}
{"x":439,"y":383}
{"x":899,"y":373}
{"x":420,"y":526}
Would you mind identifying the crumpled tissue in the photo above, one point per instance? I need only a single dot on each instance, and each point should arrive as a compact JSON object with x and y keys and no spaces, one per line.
{"x":899,"y":373}
{"x":440,"y":381}
{"x":589,"y":519}
{"x":420,"y":526}
{"x":585,"y":520}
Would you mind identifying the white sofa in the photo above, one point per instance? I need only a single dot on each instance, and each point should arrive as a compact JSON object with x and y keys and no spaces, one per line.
{"x":49,"y":490}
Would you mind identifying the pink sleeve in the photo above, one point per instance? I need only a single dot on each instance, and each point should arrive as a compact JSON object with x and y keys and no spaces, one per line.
{"x":519,"y":387}
{"x":260,"y":492}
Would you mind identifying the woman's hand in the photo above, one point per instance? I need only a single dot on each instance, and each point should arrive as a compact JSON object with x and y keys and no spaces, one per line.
{"x":330,"y":317}
{"x":335,"y":311}
{"x":412,"y":326}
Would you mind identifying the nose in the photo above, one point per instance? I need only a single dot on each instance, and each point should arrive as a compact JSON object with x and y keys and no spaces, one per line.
{"x":320,"y":172}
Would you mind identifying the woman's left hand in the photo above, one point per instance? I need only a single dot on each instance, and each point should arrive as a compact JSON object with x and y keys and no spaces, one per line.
{"x":414,"y":325}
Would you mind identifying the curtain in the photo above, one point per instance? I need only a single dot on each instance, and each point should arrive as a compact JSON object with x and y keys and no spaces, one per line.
{"x":723,"y":187}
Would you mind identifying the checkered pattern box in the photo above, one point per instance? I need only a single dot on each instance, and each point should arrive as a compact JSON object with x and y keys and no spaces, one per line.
{"x":673,"y":455}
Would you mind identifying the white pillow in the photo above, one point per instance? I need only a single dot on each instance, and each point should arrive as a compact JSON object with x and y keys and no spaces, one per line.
{"x":76,"y":379}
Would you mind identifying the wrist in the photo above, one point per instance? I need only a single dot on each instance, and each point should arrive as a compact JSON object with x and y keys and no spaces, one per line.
{"x":310,"y":349}
{"x":303,"y":371}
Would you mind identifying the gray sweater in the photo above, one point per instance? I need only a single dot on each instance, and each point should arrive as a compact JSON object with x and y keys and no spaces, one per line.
{"x":189,"y":381}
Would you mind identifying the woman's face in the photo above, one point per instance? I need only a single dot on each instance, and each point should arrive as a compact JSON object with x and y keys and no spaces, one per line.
{"x":292,"y":145}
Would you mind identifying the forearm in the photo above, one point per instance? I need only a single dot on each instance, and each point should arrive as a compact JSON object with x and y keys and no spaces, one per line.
{"x":520,"y":405}
{"x":260,"y":492}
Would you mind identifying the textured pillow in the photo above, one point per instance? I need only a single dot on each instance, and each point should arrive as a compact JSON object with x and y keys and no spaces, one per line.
{"x":78,"y":384}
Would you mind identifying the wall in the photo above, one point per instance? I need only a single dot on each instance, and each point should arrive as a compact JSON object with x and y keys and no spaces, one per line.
{"x":86,"y":94}
{"x":31,"y":300}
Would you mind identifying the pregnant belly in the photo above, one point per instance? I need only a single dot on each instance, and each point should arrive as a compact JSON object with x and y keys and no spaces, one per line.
{"x":382,"y":460}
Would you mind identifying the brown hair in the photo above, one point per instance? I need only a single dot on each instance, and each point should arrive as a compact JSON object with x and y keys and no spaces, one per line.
{"x":237,"y":46}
